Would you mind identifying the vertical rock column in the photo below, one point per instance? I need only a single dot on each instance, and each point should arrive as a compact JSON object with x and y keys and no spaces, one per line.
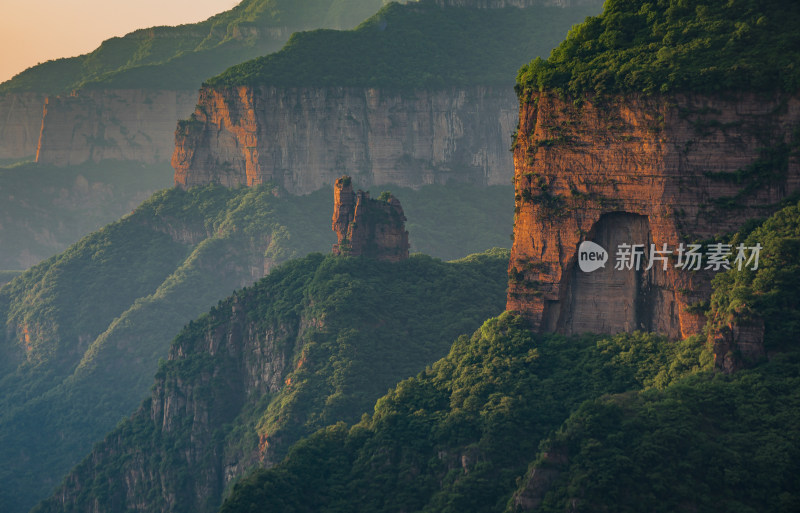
{"x":368,"y":227}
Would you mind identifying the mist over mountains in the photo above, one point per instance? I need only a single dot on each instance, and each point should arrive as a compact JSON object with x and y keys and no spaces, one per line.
{"x":182,"y":334}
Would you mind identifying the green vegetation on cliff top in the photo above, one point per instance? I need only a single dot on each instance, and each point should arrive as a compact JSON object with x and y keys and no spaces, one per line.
{"x":702,"y":46}
{"x":416,"y":45}
{"x":182,"y":57}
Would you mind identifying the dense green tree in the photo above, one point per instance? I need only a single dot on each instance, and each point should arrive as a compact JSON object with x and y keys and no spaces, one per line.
{"x":413,"y":46}
{"x":659,"y":46}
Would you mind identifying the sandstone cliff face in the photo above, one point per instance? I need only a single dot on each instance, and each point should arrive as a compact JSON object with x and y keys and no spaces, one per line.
{"x":20,"y":124}
{"x":368,"y":227}
{"x":636,"y":169}
{"x":115,"y":124}
{"x":304,"y":138}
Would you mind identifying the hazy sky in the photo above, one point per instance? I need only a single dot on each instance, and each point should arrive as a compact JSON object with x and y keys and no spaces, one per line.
{"x":37,"y":31}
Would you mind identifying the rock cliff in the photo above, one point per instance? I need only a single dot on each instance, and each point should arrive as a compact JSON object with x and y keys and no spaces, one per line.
{"x":96,"y":125}
{"x":225,"y":363}
{"x":134,"y":88}
{"x":635,"y":169}
{"x":20,"y":124}
{"x":304,"y":138}
{"x":368,"y":227}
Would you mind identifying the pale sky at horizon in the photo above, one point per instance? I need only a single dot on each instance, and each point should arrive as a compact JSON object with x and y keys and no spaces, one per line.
{"x":34,"y":32}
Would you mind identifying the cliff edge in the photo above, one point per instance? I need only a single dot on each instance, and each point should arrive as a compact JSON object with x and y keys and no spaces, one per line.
{"x":651,"y":139}
{"x":373,"y":102}
{"x":637,"y":169}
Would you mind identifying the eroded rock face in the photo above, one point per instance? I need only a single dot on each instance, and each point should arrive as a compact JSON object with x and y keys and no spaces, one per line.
{"x":20,"y":124}
{"x":655,"y":170}
{"x":368,"y":227}
{"x":737,"y":339}
{"x":305,"y":138}
{"x":246,"y":361}
{"x":539,"y":479}
{"x":610,"y":300}
{"x":122,"y":124}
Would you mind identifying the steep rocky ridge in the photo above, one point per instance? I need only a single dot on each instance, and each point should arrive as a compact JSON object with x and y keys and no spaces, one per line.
{"x":373,"y":102}
{"x":368,"y":227}
{"x":83,"y":330}
{"x":459,"y":436}
{"x":123,"y":99}
{"x":303,"y":138}
{"x":104,"y":124}
{"x":315,"y":342}
{"x":661,"y":169}
{"x":20,"y":124}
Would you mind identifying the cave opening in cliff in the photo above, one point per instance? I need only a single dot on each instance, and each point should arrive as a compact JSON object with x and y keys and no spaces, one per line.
{"x":612,"y":299}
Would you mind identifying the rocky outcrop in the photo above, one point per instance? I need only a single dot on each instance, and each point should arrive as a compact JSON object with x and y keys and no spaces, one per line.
{"x":20,"y":124}
{"x":304,"y":138}
{"x":638,"y":170}
{"x":539,"y":479}
{"x":121,"y":124}
{"x":230,"y":361}
{"x":368,"y":227}
{"x":736,"y":338}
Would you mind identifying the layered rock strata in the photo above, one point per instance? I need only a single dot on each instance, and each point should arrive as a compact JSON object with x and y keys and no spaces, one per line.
{"x":368,"y":227}
{"x":637,"y":169}
{"x":305,"y":138}
{"x":20,"y":124}
{"x":125,"y":124}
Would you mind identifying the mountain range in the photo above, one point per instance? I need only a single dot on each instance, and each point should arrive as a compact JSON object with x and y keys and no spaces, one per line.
{"x":350,"y":381}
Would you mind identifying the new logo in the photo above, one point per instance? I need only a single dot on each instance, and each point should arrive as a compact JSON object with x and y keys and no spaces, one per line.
{"x":591,"y":256}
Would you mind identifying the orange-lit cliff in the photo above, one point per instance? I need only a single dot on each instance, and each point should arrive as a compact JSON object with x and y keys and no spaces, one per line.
{"x":638,"y":169}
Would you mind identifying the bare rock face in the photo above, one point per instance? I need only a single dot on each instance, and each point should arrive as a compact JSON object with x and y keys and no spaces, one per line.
{"x":539,"y":479}
{"x":737,"y":339}
{"x":118,"y":124}
{"x":305,"y":138}
{"x":368,"y":227}
{"x":638,"y":170}
{"x":20,"y":124}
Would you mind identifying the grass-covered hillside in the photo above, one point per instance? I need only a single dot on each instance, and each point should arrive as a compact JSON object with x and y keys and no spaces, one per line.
{"x":700,"y":46}
{"x":510,"y":421}
{"x":84,"y":329}
{"x":182,"y":57}
{"x":315,"y":342}
{"x":414,"y":45}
